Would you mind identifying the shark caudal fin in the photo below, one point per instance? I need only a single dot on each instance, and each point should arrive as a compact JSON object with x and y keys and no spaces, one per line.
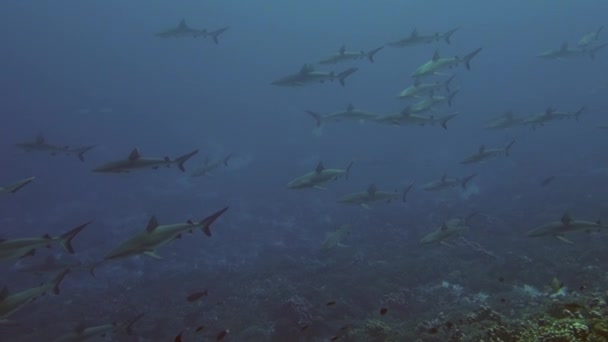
{"x":344,"y":74}
{"x":466,"y":180}
{"x":447,"y":83}
{"x":227,"y":158}
{"x":469,"y":57}
{"x":315,"y":116}
{"x":451,"y":97}
{"x":66,"y":239}
{"x":82,"y":151}
{"x":508,"y":147}
{"x":54,"y":283}
{"x":216,"y":34}
{"x":348,"y":167}
{"x":448,"y":35}
{"x":406,"y":191}
{"x":182,"y":159}
{"x":370,"y":54}
{"x":444,"y":121}
{"x":579,"y":112}
{"x":207,"y":221}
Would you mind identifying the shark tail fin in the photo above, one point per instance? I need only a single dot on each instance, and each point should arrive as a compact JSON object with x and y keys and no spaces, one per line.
{"x":13,"y":188}
{"x":66,"y":238}
{"x":508,"y":147}
{"x":466,"y":180}
{"x":207,"y":221}
{"x":226,"y":159}
{"x":451,"y":97}
{"x":348,"y":167}
{"x":579,"y":112}
{"x":344,"y":74}
{"x":84,"y":150}
{"x":57,"y":280}
{"x":370,"y":54}
{"x":182,"y":159}
{"x":315,"y":116}
{"x":406,"y":191}
{"x":216,"y":34}
{"x":448,"y":35}
{"x":444,"y":122}
{"x":469,"y":57}
{"x":447,"y":83}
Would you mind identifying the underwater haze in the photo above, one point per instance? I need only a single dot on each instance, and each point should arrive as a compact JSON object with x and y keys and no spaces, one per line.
{"x":269,"y":170}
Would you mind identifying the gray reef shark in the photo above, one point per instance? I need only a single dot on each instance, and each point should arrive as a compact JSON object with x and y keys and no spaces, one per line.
{"x":40,"y":145}
{"x":484,"y":153}
{"x":344,"y":55}
{"x":416,"y":38}
{"x":450,"y":228}
{"x":507,"y":120}
{"x":446,"y":183}
{"x":182,"y":30}
{"x":83,"y":333}
{"x":419,"y":88}
{"x":136,"y":162}
{"x":210,"y":165}
{"x":565,"y":225}
{"x":350,"y":114}
{"x":308,"y":75}
{"x":318,"y":177}
{"x":438,"y":63}
{"x":334,"y":239}
{"x":14,"y":187}
{"x":372,"y":194}
{"x":405,"y":118}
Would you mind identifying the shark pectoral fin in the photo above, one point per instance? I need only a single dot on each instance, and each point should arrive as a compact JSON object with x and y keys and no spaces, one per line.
{"x":153,"y":254}
{"x":319,"y":187}
{"x":365,"y":205}
{"x":562,"y":238}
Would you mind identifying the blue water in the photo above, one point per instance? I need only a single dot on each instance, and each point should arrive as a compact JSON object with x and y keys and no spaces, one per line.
{"x":94,"y":73}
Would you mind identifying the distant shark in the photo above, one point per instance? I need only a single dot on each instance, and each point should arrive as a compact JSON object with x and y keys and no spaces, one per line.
{"x":416,"y":38}
{"x":136,"y":162}
{"x":184,"y":31}
{"x":565,"y":225}
{"x":319,"y":176}
{"x":344,"y":55}
{"x":14,"y":187}
{"x":308,"y":75}
{"x":40,"y":145}
{"x":438,"y":63}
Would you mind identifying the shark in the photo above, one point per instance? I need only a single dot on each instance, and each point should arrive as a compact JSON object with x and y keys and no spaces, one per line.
{"x":210,"y":165}
{"x":484,"y":153}
{"x":50,"y":265}
{"x":319,"y":176}
{"x":336,"y":237}
{"x":182,"y":30}
{"x":438,"y":63}
{"x":406,"y":118}
{"x":429,"y":102}
{"x":10,"y":303}
{"x":565,"y":225}
{"x":349,"y":114}
{"x":16,"y":186}
{"x":40,"y":145}
{"x":156,"y":236}
{"x":420,"y":88}
{"x":372,"y":194}
{"x":445,"y":183}
{"x":450,"y":228}
{"x":308,"y":75}
{"x":135,"y":162}
{"x":590,"y":38}
{"x":83,"y":333}
{"x":416,"y":38}
{"x":506,"y":120}
{"x":550,"y":114}
{"x":564,"y":52}
{"x":215,"y":34}
{"x":12,"y":249}
{"x":344,"y":55}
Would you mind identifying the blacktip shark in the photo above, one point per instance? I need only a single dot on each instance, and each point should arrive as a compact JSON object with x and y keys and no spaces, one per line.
{"x":182,"y":30}
{"x":40,"y":145}
{"x":450,"y":228}
{"x":349,"y":114}
{"x":506,"y":120}
{"x":438,"y":63}
{"x":319,"y":176}
{"x":416,"y":38}
{"x":16,"y":186}
{"x":484,"y":153}
{"x":136,"y":162}
{"x":10,"y":303}
{"x":12,"y":249}
{"x":405,"y":118}
{"x":344,"y":55}
{"x":210,"y":165}
{"x":372,"y":194}
{"x":83,"y":333}
{"x":565,"y":225}
{"x":590,"y":38}
{"x":419,"y":88}
{"x":445,"y":183}
{"x":156,"y":236}
{"x":308,"y":75}
{"x":335,"y":238}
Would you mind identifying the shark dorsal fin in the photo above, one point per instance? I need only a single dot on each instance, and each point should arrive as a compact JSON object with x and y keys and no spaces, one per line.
{"x":564,"y":46}
{"x":182,"y":25}
{"x":372,"y":189}
{"x":481,"y":149}
{"x":350,"y":107}
{"x":152,"y":224}
{"x":444,"y":227}
{"x":134,"y":154}
{"x":3,"y":293}
{"x":436,"y":56}
{"x":319,"y":167}
{"x":40,"y":139}
{"x":566,"y":219}
{"x":342,"y":49}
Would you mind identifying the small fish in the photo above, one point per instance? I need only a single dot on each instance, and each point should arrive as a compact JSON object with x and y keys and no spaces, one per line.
{"x":304,"y":327}
{"x":220,"y":336}
{"x":197,"y":295}
{"x":178,"y":338}
{"x":332,"y":303}
{"x":335,"y":338}
{"x":503,"y":300}
{"x":547,"y":181}
{"x":199,"y":329}
{"x":383,"y":311}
